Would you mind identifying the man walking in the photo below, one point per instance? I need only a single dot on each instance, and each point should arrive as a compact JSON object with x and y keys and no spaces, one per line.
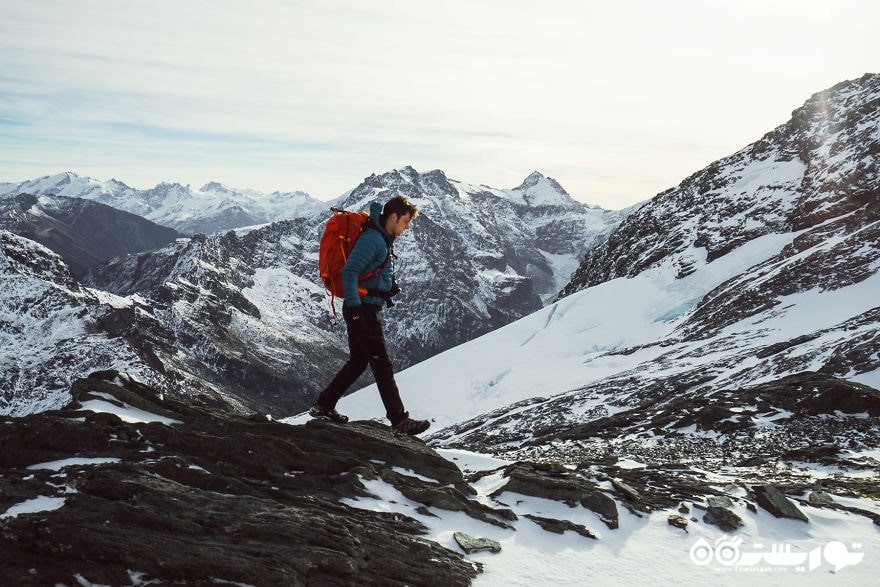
{"x":360,"y":310}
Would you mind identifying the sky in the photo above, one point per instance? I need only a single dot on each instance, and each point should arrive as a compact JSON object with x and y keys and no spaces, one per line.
{"x":617,"y":101}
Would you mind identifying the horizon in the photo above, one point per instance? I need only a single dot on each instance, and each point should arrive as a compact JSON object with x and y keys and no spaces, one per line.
{"x":616,"y":103}
{"x":238,"y":189}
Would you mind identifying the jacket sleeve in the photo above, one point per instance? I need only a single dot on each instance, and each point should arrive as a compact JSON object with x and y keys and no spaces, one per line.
{"x":361,"y":260}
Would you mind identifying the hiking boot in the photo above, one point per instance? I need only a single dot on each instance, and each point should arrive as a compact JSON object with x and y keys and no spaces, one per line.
{"x":410,"y":426}
{"x":327,"y":414}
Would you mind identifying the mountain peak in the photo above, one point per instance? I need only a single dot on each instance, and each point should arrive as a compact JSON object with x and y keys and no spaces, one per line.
{"x":537,"y":179}
{"x":216,"y":186}
{"x":540,"y":190}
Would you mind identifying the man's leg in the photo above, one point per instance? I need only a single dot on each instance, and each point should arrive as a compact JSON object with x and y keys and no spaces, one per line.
{"x":348,"y":374}
{"x":376,"y":351}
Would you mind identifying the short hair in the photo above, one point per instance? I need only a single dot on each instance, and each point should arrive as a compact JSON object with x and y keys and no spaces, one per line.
{"x":399,"y":205}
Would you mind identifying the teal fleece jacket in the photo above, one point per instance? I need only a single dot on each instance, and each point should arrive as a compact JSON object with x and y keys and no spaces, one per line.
{"x":369,"y":252}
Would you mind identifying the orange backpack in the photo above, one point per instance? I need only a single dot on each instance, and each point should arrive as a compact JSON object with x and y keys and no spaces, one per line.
{"x":340,"y":232}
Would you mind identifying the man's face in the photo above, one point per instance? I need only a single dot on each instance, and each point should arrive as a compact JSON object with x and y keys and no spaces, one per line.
{"x":397,"y":224}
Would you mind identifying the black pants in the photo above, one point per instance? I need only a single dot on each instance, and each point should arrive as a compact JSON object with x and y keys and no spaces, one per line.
{"x":366,"y":346}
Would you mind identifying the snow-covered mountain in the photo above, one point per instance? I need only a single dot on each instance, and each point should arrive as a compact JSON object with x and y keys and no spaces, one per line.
{"x":243,"y":311}
{"x":83,"y":232}
{"x":763,"y":265}
{"x":492,"y":238}
{"x":715,"y":360}
{"x":211,"y":208}
{"x":49,"y":331}
{"x":53,"y":329}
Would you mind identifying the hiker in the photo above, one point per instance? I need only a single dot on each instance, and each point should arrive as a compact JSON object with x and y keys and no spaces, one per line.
{"x":360,"y":310}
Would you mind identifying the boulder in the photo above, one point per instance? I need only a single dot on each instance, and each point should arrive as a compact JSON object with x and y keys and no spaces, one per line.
{"x":561,"y":526}
{"x":774,"y":501}
{"x":471,"y":544}
{"x":602,"y":505}
{"x":820,"y":497}
{"x":677,"y":520}
{"x":721,"y":501}
{"x":723,"y":518}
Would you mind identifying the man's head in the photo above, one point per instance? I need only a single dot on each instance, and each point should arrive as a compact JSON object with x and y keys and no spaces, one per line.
{"x":397,"y":214}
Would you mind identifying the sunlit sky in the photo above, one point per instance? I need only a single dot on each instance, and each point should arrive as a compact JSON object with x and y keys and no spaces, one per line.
{"x":617,"y":100}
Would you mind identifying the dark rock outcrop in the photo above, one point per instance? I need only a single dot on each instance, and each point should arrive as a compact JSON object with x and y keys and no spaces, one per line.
{"x":723,"y":518}
{"x":207,"y":496}
{"x":553,"y":481}
{"x":774,"y":501}
{"x":561,"y":526}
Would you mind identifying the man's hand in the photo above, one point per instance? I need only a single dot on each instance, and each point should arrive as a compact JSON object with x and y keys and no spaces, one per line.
{"x":395,"y":289}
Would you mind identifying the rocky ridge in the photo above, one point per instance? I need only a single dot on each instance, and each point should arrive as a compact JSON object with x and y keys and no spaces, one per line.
{"x":190,"y":495}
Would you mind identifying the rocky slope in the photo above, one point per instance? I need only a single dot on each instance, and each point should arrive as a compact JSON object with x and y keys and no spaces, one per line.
{"x":817,"y":175}
{"x":53,"y":331}
{"x":84,"y":233}
{"x":127,"y":486}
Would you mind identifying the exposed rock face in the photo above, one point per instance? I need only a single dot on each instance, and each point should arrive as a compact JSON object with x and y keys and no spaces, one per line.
{"x":207,"y":496}
{"x":53,"y":331}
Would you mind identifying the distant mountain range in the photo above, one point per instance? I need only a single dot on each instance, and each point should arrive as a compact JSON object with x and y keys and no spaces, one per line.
{"x":213,"y":207}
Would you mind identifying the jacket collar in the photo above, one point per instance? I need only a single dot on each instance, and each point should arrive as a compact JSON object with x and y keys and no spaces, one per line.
{"x":375,"y":215}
